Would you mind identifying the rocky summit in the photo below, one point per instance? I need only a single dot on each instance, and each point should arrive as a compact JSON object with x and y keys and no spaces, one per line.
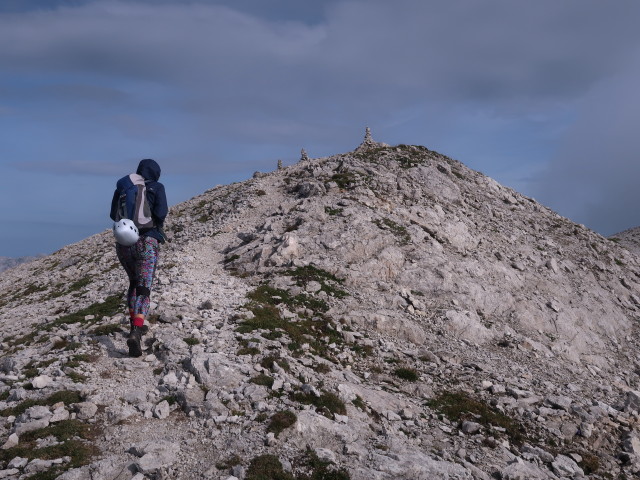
{"x":387,"y":313}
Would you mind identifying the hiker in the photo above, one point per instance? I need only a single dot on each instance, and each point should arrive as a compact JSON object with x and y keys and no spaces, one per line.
{"x":140,"y":258}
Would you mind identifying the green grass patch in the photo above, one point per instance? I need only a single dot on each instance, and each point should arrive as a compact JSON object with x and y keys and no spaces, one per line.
{"x":171,"y":399}
{"x":74,"y":287}
{"x":269,"y":360}
{"x":305,"y":467}
{"x":280,"y":421}
{"x":106,"y":329}
{"x":66,"y":345}
{"x":308,"y":273}
{"x":459,"y":406}
{"x":326,"y":404}
{"x":32,"y":288}
{"x":262,"y":379}
{"x":345,"y":180}
{"x":267,"y":467}
{"x":76,"y":377}
{"x":364,"y":350}
{"x":66,"y":396}
{"x":75,"y":438}
{"x":231,"y":258}
{"x":409,"y":374}
{"x":457,"y":173}
{"x":84,"y":357}
{"x":322,"y":368}
{"x":316,"y":331}
{"x":310,"y":467}
{"x":108,"y":308}
{"x":333,"y":211}
{"x":228,"y":462}
{"x":46,"y":363}
{"x":24,"y":340}
{"x":590,"y":463}
{"x":30,"y":370}
{"x":316,"y":334}
{"x":400,"y":232}
{"x":359,"y":402}
{"x":79,"y":285}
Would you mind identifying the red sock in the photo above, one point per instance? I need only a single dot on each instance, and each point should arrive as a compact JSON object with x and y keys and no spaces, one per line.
{"x":137,"y":321}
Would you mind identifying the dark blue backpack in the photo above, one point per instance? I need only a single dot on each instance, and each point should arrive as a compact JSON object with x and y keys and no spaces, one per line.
{"x":133,"y":203}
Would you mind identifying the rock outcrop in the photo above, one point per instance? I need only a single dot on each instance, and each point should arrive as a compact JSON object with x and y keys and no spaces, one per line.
{"x":380,"y":314}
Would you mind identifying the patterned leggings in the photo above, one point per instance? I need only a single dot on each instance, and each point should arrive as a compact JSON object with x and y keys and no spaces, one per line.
{"x":139,"y":261}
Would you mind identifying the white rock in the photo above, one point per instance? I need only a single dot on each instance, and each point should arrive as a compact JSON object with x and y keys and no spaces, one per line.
{"x":552,"y":264}
{"x":521,"y":470}
{"x":470,"y":427}
{"x":11,"y":442}
{"x":162,"y":410}
{"x":28,"y":426}
{"x":86,"y":410}
{"x":59,"y":414}
{"x":392,"y":416}
{"x":38,"y":465}
{"x":41,"y":381}
{"x":170,"y":379}
{"x":270,"y":440}
{"x":565,"y":466}
{"x":38,"y":412}
{"x":156,"y":455}
{"x":326,"y":454}
{"x":559,"y":402}
{"x":10,"y":473}
{"x":18,"y":462}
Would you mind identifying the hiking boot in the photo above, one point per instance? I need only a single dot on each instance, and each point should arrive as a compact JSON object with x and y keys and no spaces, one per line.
{"x":143,"y":330}
{"x":134,"y":340}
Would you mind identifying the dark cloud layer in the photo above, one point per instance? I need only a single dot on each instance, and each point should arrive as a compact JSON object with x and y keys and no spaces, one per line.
{"x":535,"y":94}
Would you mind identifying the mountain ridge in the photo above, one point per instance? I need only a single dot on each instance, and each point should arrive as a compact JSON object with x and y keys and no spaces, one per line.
{"x":10,"y":262}
{"x":367,"y":294}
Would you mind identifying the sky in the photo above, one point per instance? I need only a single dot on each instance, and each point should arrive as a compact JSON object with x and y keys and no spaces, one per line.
{"x":540,"y":96}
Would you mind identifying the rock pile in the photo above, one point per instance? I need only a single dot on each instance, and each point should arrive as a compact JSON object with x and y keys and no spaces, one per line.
{"x":381,"y":314}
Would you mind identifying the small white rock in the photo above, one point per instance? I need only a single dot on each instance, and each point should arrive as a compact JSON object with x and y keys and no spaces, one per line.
{"x":41,"y":381}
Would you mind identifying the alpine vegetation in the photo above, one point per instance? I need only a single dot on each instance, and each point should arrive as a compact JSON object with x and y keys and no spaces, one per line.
{"x":380,"y":314}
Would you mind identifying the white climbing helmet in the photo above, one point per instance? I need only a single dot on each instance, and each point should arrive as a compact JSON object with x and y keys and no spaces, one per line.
{"x":126,"y":232}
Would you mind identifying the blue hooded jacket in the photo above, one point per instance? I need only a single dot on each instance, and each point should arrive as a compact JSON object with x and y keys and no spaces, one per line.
{"x":150,"y":171}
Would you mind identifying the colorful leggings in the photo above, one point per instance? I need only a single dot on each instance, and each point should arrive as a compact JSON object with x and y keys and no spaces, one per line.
{"x":139,"y":261}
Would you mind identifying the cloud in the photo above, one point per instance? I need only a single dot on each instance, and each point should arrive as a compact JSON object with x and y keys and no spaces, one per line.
{"x":468,"y":51}
{"x":217,"y":89}
{"x":593,"y":177}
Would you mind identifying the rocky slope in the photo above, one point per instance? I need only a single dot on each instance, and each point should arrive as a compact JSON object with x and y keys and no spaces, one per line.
{"x":381,"y":314}
{"x":9,"y":262}
{"x":629,"y":239}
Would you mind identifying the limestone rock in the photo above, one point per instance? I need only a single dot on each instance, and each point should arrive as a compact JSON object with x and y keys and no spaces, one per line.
{"x":86,"y":410}
{"x":161,"y":410}
{"x":155,"y":455}
{"x":41,"y":381}
{"x":11,"y":442}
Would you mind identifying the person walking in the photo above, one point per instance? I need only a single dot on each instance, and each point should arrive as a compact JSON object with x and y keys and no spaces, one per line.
{"x":140,"y":259}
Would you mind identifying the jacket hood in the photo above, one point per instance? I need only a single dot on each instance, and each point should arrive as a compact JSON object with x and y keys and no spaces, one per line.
{"x":149,"y":169}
